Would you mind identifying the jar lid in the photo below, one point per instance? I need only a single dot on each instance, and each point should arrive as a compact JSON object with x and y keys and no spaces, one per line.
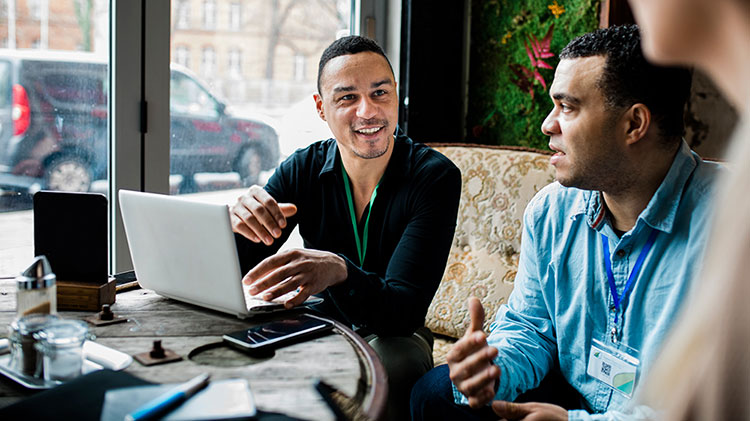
{"x":32,"y":323}
{"x":63,"y":332}
{"x":38,"y":275}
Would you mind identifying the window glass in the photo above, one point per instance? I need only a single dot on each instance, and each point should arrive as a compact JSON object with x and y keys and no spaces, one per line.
{"x":53,"y":111}
{"x":245,"y":101}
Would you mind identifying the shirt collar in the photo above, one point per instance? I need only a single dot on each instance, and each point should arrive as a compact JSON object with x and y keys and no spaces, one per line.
{"x":661,"y":211}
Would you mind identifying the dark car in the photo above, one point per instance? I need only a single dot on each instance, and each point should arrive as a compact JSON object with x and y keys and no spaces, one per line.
{"x":53,"y":125}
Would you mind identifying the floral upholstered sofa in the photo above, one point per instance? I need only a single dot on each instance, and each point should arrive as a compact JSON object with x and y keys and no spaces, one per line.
{"x":497,"y":184}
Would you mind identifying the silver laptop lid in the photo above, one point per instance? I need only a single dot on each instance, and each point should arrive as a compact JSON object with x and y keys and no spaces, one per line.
{"x":184,"y":250}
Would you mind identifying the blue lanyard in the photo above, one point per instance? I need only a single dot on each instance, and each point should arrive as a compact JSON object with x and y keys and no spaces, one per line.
{"x":637,"y":268}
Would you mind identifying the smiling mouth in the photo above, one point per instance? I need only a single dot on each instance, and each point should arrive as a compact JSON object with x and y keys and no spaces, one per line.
{"x":369,"y":130}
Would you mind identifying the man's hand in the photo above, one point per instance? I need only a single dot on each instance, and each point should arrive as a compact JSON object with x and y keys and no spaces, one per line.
{"x":305,"y":270}
{"x":531,"y":411}
{"x":258,"y":217}
{"x":470,"y":361}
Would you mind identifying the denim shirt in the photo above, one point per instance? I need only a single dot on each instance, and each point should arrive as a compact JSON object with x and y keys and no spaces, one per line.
{"x":562,"y":301}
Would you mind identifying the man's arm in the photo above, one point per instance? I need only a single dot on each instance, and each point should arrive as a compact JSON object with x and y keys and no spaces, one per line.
{"x":536,"y":411}
{"x":397,"y":303}
{"x":257,"y":214}
{"x":523,"y":332}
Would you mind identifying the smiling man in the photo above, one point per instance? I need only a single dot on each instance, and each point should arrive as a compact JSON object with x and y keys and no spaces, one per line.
{"x":376,"y":212}
{"x":608,"y":251}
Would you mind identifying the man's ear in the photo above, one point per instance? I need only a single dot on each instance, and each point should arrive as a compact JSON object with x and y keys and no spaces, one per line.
{"x":637,"y":122}
{"x":319,"y":106}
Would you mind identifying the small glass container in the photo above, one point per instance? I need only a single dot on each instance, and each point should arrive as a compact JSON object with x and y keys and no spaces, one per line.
{"x":23,"y":354}
{"x":36,"y":289}
{"x":60,"y":346}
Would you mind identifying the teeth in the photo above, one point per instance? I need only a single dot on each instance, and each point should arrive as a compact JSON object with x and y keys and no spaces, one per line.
{"x":369,"y":131}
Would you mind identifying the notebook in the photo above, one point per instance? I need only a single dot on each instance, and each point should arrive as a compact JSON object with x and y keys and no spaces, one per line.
{"x":185,"y":250}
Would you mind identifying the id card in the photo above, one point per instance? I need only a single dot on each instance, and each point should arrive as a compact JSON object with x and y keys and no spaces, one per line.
{"x":617,"y":368}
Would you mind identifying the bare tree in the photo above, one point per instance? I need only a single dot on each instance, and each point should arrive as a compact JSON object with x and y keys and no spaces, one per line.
{"x":316,"y":26}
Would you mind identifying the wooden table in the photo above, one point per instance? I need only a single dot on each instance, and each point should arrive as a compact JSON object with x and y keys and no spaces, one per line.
{"x":282,"y":383}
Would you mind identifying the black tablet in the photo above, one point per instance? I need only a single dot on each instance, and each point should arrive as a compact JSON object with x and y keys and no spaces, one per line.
{"x":71,"y":230}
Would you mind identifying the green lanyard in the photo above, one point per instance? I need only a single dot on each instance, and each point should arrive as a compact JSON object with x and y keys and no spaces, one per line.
{"x":361,"y":247}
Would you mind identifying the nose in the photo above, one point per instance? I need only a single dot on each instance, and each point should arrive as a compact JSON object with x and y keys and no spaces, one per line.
{"x":366,"y":109}
{"x":550,"y":125}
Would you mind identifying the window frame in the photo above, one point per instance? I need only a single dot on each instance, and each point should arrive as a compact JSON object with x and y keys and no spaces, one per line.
{"x":138,"y":109}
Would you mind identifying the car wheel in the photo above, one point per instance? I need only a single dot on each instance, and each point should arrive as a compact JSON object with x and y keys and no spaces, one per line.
{"x":68,"y":173}
{"x":250,"y":167}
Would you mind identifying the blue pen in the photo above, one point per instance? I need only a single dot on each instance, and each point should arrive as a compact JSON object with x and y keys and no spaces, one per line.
{"x":169,"y":400}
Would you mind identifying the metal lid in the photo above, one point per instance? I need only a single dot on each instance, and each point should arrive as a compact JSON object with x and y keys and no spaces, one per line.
{"x":32,"y":323}
{"x":38,"y":275}
{"x":63,"y":332}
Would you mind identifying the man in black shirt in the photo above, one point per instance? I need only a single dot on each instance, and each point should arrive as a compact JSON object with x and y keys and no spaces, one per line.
{"x":376,"y":211}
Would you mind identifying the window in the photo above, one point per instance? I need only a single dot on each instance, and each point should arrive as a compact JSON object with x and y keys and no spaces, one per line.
{"x":235,"y":63}
{"x":235,"y":16}
{"x":299,"y":67}
{"x":56,"y":104}
{"x":189,"y":98}
{"x":35,"y":9}
{"x":208,"y":63}
{"x":182,"y":55}
{"x":183,"y":14}
{"x":209,"y":14}
{"x":260,"y":91}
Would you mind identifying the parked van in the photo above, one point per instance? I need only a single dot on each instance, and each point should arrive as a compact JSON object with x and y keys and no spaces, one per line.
{"x":53,"y":125}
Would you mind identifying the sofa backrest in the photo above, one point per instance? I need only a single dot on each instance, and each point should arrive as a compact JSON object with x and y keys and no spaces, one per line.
{"x":497,"y":184}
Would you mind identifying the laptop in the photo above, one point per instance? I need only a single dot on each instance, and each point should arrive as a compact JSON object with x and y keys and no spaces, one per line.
{"x":185,"y":250}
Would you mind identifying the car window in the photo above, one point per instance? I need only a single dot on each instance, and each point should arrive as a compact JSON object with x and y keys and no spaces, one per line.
{"x":188,"y":97}
{"x":71,"y":88}
{"x":5,"y":96}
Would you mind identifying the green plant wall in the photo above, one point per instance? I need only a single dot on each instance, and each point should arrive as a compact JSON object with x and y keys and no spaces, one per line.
{"x":501,"y":109}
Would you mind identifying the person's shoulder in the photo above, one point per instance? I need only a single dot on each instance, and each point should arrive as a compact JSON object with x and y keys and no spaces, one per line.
{"x":556,"y":200}
{"x":424,"y":157}
{"x":706,"y":175}
{"x":315,"y":153}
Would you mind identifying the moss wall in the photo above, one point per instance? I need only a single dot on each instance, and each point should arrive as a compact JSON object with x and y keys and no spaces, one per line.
{"x":501,"y":108}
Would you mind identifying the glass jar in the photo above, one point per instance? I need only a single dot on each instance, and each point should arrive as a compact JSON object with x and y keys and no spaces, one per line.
{"x":36,"y":289}
{"x":60,"y":346}
{"x":23,"y":354}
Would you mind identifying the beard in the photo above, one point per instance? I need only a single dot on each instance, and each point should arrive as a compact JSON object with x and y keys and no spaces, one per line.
{"x":372,"y":153}
{"x":369,"y":153}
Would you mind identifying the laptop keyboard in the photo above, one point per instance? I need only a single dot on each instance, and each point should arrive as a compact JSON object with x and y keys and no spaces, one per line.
{"x":255,"y":300}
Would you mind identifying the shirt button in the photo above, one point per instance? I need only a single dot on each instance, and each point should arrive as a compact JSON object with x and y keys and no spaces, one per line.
{"x":621,"y":253}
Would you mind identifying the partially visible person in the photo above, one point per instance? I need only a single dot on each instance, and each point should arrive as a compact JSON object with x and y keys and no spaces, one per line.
{"x":703,"y":372}
{"x":608,"y":252}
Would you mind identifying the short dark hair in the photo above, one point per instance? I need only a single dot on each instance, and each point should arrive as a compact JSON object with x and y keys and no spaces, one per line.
{"x":352,"y":44}
{"x":627,"y":78}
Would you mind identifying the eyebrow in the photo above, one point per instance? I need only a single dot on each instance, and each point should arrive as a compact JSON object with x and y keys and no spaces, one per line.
{"x":566,"y":98}
{"x":373,"y":85}
{"x":382,"y":82}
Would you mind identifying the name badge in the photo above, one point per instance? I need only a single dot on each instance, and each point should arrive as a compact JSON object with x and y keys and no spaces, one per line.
{"x":617,"y":367}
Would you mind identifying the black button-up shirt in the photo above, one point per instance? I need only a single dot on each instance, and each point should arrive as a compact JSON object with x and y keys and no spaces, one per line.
{"x":411,"y":228}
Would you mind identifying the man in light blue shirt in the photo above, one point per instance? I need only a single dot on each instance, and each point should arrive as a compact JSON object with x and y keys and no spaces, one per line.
{"x":608,"y":251}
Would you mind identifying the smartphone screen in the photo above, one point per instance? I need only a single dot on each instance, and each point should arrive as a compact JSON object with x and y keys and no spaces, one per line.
{"x":278,"y":332}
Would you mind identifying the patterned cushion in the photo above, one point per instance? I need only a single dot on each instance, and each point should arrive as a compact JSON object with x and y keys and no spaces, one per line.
{"x":497,"y":183}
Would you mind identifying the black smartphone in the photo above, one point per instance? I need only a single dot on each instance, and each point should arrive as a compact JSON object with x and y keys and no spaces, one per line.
{"x":277,"y":333}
